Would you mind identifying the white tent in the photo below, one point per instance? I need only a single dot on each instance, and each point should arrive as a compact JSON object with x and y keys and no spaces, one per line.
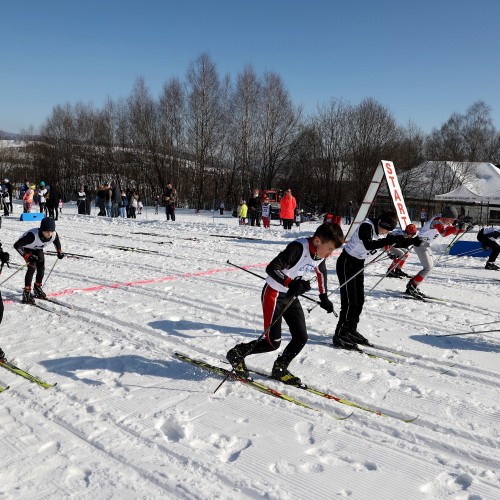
{"x":461,"y":193}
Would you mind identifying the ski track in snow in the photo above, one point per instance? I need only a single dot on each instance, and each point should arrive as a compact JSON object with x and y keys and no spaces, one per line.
{"x":129,"y":420}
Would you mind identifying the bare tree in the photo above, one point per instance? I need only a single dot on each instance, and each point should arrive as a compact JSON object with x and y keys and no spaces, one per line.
{"x":204,"y":120}
{"x":372,"y":135}
{"x":279,"y":122}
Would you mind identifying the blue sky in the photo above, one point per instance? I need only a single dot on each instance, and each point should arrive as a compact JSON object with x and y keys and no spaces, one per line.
{"x":422,"y":60}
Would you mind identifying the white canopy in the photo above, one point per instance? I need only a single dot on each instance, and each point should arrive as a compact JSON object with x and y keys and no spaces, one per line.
{"x":461,"y":193}
{"x":481,"y":186}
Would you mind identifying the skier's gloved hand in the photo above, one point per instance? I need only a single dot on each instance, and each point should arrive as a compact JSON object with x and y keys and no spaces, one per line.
{"x":417,"y":241}
{"x":397,"y":240}
{"x":4,"y":257}
{"x":298,"y":287}
{"x":60,"y":255}
{"x":325,"y":303}
{"x":30,"y":259}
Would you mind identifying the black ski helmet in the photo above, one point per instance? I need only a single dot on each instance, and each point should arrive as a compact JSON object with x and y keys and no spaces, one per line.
{"x":48,"y":224}
{"x":388,"y":220}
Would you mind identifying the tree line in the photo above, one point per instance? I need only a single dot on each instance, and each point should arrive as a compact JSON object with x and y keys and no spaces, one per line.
{"x":217,"y":139}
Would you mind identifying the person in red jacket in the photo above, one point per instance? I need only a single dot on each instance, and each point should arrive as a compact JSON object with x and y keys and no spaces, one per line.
{"x":288,"y":204}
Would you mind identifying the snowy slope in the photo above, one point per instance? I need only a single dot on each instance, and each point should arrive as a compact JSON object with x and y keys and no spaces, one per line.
{"x":129,"y":420}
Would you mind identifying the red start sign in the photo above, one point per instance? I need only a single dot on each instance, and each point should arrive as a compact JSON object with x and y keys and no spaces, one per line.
{"x":396,"y":194}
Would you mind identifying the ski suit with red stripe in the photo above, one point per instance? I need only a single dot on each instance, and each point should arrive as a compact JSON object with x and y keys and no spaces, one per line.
{"x":296,"y":261}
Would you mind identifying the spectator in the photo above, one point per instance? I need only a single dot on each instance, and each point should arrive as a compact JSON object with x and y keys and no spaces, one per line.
{"x":254,"y":209}
{"x":116,"y":198}
{"x":243,"y":212}
{"x":100,"y":200}
{"x":123,"y":205}
{"x":108,"y":201}
{"x":157,"y":204}
{"x":298,"y":217}
{"x":170,"y":198}
{"x":134,"y":198}
{"x":28,"y":198}
{"x":5,"y":200}
{"x":423,"y":217}
{"x":10,"y":189}
{"x":42,"y":196}
{"x":266,"y":213}
{"x":288,"y":204}
{"x":221,"y":208}
{"x":81,"y":196}
{"x":349,"y":212}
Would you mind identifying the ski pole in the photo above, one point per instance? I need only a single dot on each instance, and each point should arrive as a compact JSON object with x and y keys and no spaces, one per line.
{"x":15,"y":272}
{"x":386,"y":274}
{"x":377,"y":258}
{"x":52,"y":268}
{"x":465,"y":333}
{"x":482,"y":324}
{"x":49,"y":252}
{"x":265,"y":332}
{"x":448,"y":248}
{"x":262,"y":278}
{"x":469,"y":253}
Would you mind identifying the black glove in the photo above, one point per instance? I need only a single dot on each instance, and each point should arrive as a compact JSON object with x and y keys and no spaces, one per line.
{"x":298,"y":287}
{"x":30,"y":259}
{"x":417,"y":241}
{"x":4,"y":257}
{"x":326,"y":303}
{"x":395,"y":239}
{"x":60,"y":255}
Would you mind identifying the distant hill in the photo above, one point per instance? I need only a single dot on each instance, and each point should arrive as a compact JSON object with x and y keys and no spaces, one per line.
{"x":9,"y":135}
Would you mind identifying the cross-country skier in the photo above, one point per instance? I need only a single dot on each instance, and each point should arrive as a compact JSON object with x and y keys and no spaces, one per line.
{"x":438,"y":226}
{"x":287,"y":278}
{"x":488,"y":237}
{"x":400,"y":255}
{"x":30,"y":246}
{"x":365,"y":241}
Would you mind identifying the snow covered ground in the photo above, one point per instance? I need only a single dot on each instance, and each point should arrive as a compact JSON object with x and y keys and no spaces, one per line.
{"x":127,"y":419}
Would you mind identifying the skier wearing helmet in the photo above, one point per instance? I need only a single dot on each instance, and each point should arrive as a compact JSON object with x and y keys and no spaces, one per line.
{"x":30,"y":246}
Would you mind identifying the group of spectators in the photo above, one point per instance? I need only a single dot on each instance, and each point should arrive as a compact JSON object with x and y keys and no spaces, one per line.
{"x":259,"y":208}
{"x":115,"y":202}
{"x":47,"y":197}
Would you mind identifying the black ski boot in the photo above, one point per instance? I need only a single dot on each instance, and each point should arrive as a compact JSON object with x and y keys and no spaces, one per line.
{"x":280,"y":372}
{"x":412,"y":290}
{"x":38,"y":291}
{"x":401,"y":274}
{"x":491,"y":266}
{"x":392,"y":274}
{"x":236,"y":357}
{"x":356,"y":338}
{"x":28,"y":296}
{"x":2,"y":355}
{"x":344,"y":341}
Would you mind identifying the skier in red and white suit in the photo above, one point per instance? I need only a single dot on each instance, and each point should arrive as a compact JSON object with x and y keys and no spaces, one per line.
{"x":287,"y":278}
{"x":437,"y":227}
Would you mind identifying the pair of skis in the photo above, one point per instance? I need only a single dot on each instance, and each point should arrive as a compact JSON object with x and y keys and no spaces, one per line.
{"x":272,"y":392}
{"x":7,"y":365}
